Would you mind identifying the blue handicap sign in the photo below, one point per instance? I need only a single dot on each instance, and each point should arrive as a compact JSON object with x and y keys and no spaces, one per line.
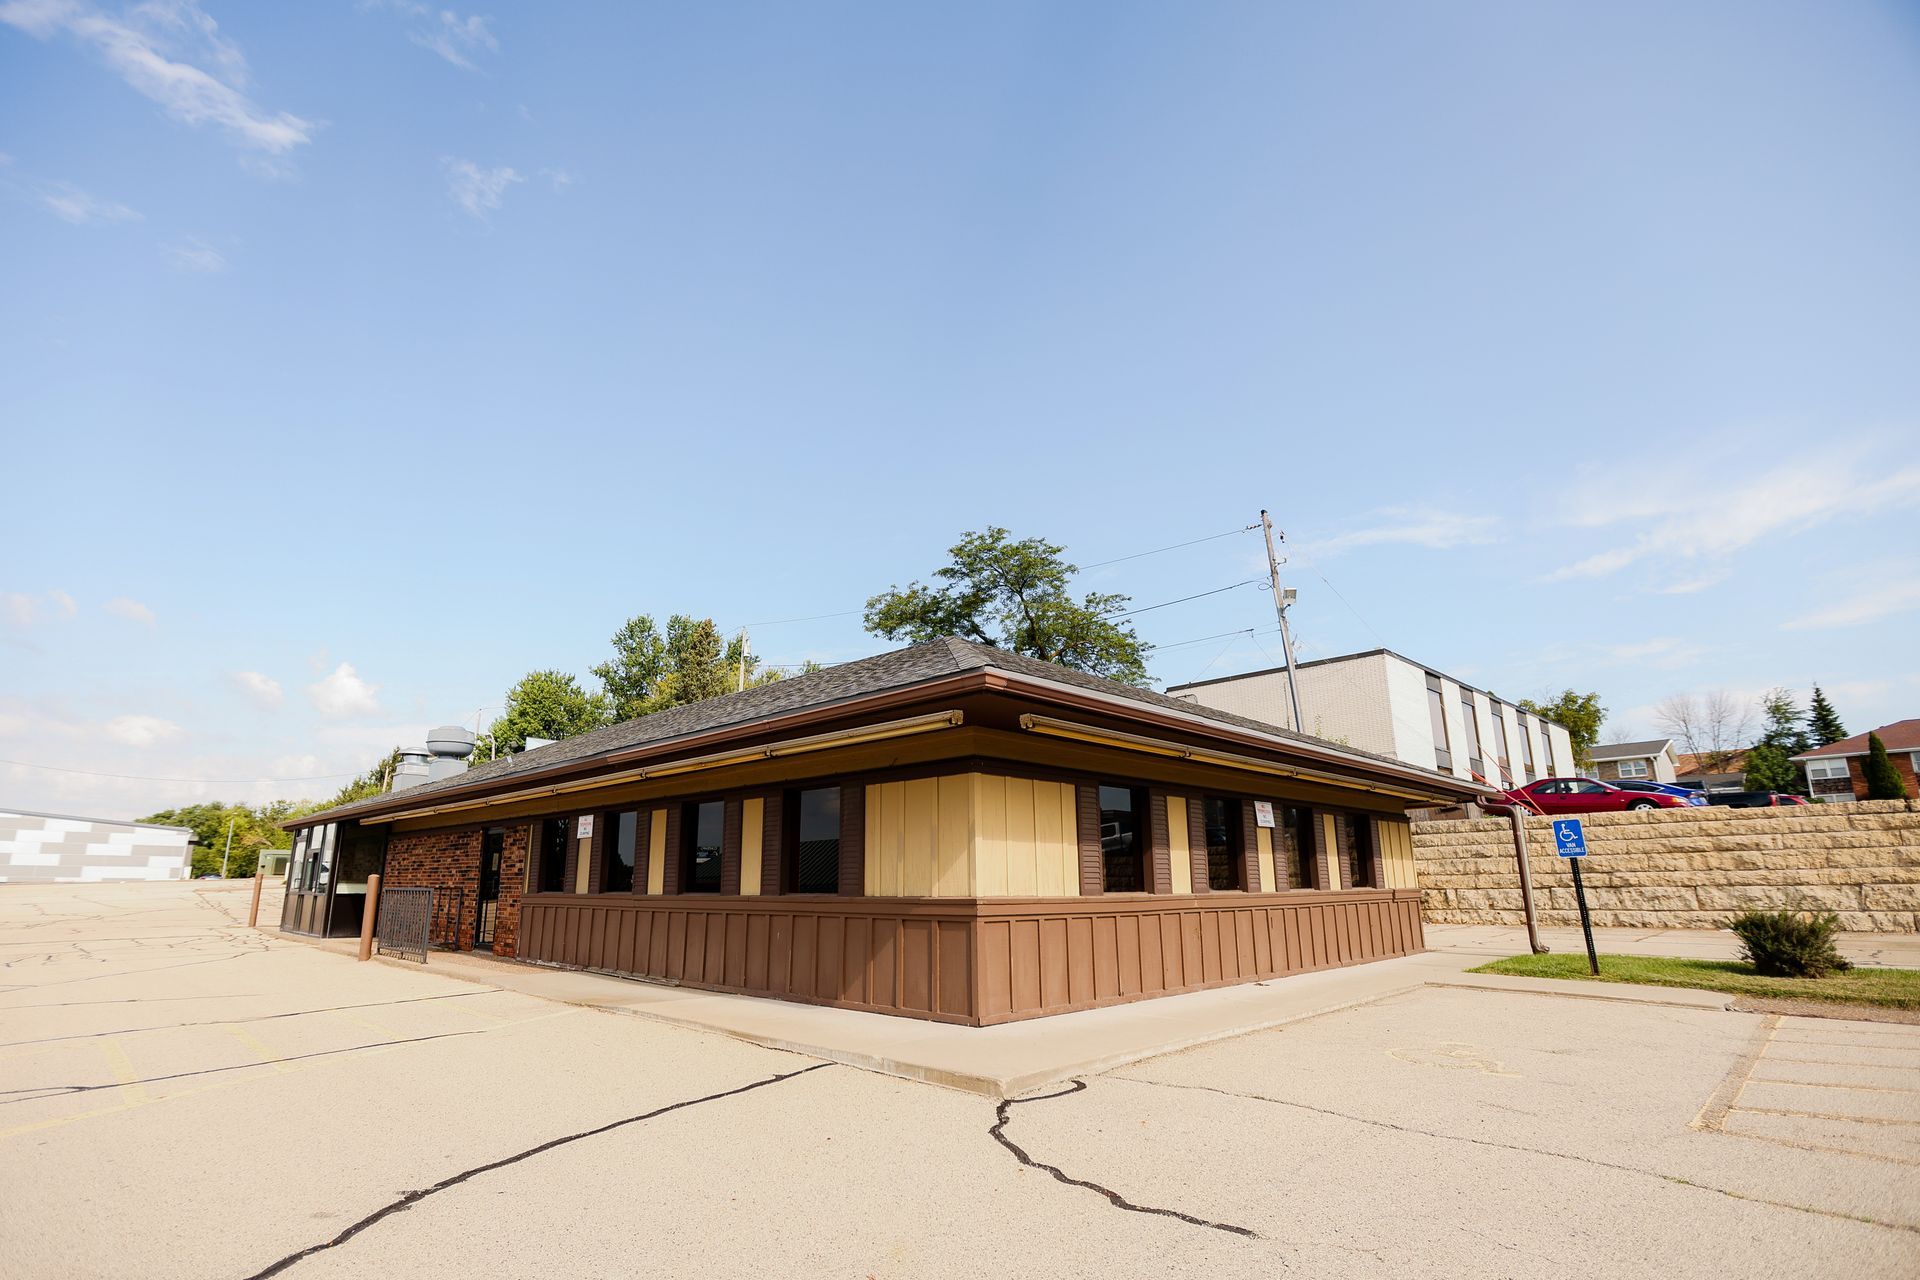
{"x":1568,"y":840}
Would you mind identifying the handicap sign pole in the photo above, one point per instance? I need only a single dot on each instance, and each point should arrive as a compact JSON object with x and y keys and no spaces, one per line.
{"x":1571,"y":843}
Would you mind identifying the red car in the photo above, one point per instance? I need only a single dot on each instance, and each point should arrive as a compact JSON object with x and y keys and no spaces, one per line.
{"x":1584,"y":795}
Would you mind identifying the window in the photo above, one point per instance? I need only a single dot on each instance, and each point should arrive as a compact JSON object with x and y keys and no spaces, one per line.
{"x":1360,"y":845}
{"x":297,"y":860}
{"x":1297,"y":826}
{"x":1526,"y":750}
{"x":1437,"y":709}
{"x":702,"y":825}
{"x":1500,"y":756}
{"x":1224,"y":842}
{"x":551,"y":867}
{"x":619,"y":846}
{"x":1546,"y":739}
{"x":1122,"y":844}
{"x":1471,"y":735}
{"x":319,"y":859}
{"x":813,"y":841}
{"x":1819,"y":770}
{"x":1584,"y":787}
{"x":1634,"y":769}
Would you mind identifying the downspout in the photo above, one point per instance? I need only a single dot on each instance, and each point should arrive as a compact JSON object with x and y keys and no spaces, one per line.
{"x":1517,"y":815}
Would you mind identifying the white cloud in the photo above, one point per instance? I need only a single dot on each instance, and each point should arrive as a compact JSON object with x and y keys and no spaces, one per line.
{"x":195,"y":255}
{"x":475,"y":189}
{"x":131,"y":610}
{"x":343,"y":693}
{"x":1692,"y":586}
{"x":1871,"y":605}
{"x":560,"y":178}
{"x":458,"y":40}
{"x":264,"y":690}
{"x":142,"y":731}
{"x":19,"y":609}
{"x":1699,"y":515}
{"x":70,"y":204}
{"x":63,"y":602}
{"x":1664,"y":652}
{"x":154,"y":47}
{"x":1413,"y":526}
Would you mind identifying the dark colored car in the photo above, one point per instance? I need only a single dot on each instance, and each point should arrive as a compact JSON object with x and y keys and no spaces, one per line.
{"x":1688,"y":794}
{"x":1754,"y":799}
{"x":1551,"y":796}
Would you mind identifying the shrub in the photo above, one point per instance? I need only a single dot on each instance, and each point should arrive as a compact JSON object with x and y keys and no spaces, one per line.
{"x":1789,"y":944}
{"x":1883,"y":780}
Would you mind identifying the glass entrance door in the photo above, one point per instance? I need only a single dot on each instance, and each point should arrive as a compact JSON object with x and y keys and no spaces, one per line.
{"x":493,"y":844}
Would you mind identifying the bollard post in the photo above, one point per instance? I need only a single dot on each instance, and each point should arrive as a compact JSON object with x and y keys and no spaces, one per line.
{"x":367,"y":917}
{"x":253,"y":912}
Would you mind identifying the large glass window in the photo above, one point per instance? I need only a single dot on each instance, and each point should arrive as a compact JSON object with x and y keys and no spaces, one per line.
{"x":703,"y":825}
{"x":1526,"y":750}
{"x":1360,"y":844}
{"x":1634,"y":769}
{"x":1470,"y":736}
{"x":1297,"y":825}
{"x":1123,"y":843}
{"x":320,"y":859}
{"x":1224,"y":843}
{"x":1500,"y":755}
{"x":619,"y":847}
{"x":1437,"y":709}
{"x":813,"y":840}
{"x":551,"y":865}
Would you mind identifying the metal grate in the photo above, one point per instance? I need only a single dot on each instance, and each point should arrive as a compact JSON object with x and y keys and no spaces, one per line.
{"x":406,"y":916}
{"x":449,"y":911}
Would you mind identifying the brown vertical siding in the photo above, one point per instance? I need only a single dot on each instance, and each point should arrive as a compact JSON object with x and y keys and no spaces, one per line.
{"x":853,"y":840}
{"x":773,"y":849}
{"x":1086,"y":813}
{"x":596,"y":845}
{"x":642,"y":848}
{"x":670,"y":884}
{"x":730,"y":848}
{"x":1343,"y":838}
{"x":1158,"y":842}
{"x":573,"y":857}
{"x":1197,"y":843}
{"x":1377,"y":860}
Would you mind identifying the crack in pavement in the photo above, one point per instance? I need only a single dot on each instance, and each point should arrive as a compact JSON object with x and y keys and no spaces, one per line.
{"x":260,"y":1017}
{"x":412,"y":1198}
{"x":999,"y":1135}
{"x":1525,"y":1150}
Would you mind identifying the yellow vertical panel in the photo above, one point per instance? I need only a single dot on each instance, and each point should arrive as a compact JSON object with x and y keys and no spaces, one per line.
{"x":1023,"y":875}
{"x":1396,"y":850}
{"x":657,"y":852}
{"x":919,"y":822}
{"x":1059,"y":869}
{"x":1265,"y":838}
{"x":893,"y":797}
{"x":753,"y":832}
{"x":1178,"y":854}
{"x":958,"y":874}
{"x":583,"y":862}
{"x":990,"y":834}
{"x":1330,"y":850}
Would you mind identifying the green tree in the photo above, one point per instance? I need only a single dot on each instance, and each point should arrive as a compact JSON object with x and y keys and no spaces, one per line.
{"x":373,"y":782}
{"x":1580,"y":714}
{"x":1883,"y":782}
{"x":1770,"y":764}
{"x":651,"y":670}
{"x":1014,"y":596}
{"x":1823,"y":722}
{"x":545,"y":704}
{"x":255,"y":828}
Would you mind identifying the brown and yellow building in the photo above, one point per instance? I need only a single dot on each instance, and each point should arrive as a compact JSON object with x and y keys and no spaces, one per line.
{"x":947,"y":831}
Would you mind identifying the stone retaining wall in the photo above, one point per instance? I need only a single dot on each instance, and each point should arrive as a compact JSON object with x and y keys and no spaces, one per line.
{"x":1685,"y":868}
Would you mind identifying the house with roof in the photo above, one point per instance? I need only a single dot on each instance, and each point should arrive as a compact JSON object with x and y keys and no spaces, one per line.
{"x":1836,"y":771}
{"x":1713,"y":771}
{"x":1384,"y":702}
{"x":947,"y":831}
{"x":1656,"y":760}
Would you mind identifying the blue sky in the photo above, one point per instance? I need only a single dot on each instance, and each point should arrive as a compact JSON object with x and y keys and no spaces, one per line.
{"x":361,"y":357}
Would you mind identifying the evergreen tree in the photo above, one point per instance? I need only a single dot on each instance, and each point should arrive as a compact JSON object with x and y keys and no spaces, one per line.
{"x":1770,"y":765}
{"x":1823,"y":722}
{"x":1883,"y":783}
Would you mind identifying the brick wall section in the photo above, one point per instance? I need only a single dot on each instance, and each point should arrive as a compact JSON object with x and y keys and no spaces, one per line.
{"x":513,"y":881}
{"x":450,"y":860}
{"x":1686,"y":868}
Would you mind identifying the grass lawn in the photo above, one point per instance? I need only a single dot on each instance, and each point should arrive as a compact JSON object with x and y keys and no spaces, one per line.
{"x":1884,"y":988}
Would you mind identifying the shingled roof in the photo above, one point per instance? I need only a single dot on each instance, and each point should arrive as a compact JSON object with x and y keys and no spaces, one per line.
{"x":899,"y":669}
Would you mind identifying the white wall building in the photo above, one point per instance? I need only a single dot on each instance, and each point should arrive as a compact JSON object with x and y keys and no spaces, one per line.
{"x":1382,"y":702}
{"x":49,"y":848}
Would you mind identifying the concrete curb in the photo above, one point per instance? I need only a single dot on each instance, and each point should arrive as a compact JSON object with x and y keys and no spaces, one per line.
{"x":1620,"y":992}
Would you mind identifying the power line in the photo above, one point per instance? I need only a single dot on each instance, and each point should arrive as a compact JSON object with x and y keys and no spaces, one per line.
{"x":1212,"y":537}
{"x":1183,"y":599}
{"x":216,"y":782}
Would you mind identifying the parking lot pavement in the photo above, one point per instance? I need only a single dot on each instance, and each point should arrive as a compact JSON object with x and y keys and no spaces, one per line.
{"x":180,"y":1096}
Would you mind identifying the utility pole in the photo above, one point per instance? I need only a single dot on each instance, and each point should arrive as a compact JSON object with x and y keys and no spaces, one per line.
{"x":1281,"y":601}
{"x":229,"y":850}
{"x":743,"y":660}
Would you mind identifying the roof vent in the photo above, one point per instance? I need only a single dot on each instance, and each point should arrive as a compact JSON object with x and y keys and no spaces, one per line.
{"x":412,"y":769}
{"x":450,"y":745}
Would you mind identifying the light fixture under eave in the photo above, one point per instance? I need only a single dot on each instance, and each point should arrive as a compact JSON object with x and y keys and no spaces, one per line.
{"x":1180,"y":751}
{"x":718,"y":760}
